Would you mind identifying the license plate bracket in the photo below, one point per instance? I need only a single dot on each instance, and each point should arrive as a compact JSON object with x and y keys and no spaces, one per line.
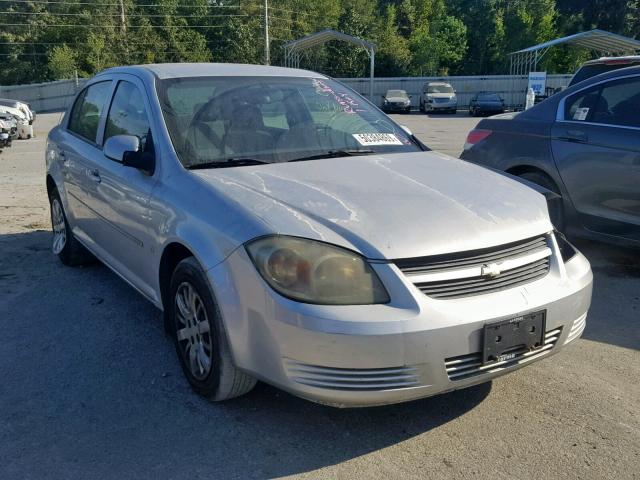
{"x":502,"y":339}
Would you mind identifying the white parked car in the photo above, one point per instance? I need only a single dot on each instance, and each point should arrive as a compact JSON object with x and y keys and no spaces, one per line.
{"x":22,"y":106}
{"x":24,"y":128}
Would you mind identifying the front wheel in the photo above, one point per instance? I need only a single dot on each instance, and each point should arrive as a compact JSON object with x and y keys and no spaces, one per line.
{"x":200,"y":338}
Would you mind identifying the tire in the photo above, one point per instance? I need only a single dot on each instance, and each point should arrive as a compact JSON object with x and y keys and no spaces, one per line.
{"x":199,"y":336}
{"x":63,"y":243}
{"x":556,"y":209}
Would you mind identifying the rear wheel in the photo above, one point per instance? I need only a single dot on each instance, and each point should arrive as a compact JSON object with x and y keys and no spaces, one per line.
{"x":556,"y":210}
{"x":200,"y":339}
{"x":63,"y":243}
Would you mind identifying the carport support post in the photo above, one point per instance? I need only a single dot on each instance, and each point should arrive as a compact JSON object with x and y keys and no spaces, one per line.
{"x":372,"y":64}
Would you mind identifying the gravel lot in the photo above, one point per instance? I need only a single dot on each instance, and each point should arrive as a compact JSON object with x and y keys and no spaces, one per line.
{"x":90,"y":387}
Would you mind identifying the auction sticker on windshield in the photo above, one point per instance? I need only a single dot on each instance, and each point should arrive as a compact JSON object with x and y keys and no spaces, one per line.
{"x":370,"y":139}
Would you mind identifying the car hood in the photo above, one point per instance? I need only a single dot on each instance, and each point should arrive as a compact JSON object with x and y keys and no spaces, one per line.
{"x":397,"y":99}
{"x":386,"y":206}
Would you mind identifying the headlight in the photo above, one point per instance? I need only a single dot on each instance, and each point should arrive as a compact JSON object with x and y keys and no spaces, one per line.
{"x":315,"y":272}
{"x":407,"y":102}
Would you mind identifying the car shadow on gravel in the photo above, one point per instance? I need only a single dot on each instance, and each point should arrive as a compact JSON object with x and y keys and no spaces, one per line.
{"x":91,"y":388}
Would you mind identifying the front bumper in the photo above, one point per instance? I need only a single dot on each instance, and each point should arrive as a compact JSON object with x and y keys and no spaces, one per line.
{"x":434,"y":106}
{"x":396,"y":108}
{"x":352,"y":356}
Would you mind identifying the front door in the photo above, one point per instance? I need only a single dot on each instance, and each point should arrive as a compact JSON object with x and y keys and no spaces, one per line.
{"x":123,"y":193}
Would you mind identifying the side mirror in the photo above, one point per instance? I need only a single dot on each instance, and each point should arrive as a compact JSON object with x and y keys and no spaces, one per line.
{"x":410,"y":96}
{"x":383,"y":97}
{"x":126,"y":149}
{"x":115,"y":147}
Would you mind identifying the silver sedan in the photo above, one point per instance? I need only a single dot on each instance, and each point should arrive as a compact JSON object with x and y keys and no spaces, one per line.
{"x":293,"y":233}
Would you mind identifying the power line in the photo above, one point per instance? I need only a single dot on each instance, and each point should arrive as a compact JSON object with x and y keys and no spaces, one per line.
{"x":106,"y":26}
{"x":55,"y":2}
{"x":132,"y":52}
{"x":291,"y":11}
{"x":62,"y":42}
{"x":144,"y":15}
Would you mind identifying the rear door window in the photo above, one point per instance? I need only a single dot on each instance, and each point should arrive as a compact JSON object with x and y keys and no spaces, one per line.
{"x":620,"y":103}
{"x":581,"y":106}
{"x":615,"y":103}
{"x":87,"y":111}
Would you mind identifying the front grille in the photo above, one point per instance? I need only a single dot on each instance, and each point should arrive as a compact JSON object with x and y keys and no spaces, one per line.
{"x":363,"y":379}
{"x":461,"y":274}
{"x":467,"y":366}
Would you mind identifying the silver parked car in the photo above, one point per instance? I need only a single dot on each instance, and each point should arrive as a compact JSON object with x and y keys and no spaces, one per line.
{"x":438,"y":97}
{"x":293,"y":233}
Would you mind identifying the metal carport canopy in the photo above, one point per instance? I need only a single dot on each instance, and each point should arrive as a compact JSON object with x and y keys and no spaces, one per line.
{"x":293,"y":48}
{"x":598,"y":41}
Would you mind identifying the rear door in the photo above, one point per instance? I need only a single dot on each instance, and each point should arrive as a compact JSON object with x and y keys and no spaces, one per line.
{"x":596,"y":146}
{"x":81,"y":155}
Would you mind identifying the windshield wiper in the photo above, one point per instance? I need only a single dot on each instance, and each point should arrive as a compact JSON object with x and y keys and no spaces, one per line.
{"x":229,"y":162}
{"x":334,"y":154}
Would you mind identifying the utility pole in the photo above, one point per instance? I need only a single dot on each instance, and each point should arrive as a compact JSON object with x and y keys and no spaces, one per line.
{"x":123,"y":24}
{"x":267,"y":59}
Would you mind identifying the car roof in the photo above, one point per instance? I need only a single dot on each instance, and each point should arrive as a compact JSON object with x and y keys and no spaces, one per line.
{"x":620,"y":72}
{"x":181,"y":70}
{"x":630,"y":58}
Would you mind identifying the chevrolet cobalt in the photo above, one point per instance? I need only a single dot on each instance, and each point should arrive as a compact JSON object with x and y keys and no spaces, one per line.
{"x":293,"y":233}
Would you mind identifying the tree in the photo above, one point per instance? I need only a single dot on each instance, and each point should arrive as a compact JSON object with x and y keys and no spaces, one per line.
{"x":62,"y":63}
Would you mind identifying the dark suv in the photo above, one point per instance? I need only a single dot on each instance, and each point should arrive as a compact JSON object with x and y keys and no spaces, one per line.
{"x":603,"y":65}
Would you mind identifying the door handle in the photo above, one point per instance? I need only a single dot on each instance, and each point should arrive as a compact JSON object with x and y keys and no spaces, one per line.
{"x":94,"y":175}
{"x":576,"y":136}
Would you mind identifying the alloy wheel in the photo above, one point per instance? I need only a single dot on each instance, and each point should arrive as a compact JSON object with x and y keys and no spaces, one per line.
{"x":59,"y":227}
{"x":193,"y":331}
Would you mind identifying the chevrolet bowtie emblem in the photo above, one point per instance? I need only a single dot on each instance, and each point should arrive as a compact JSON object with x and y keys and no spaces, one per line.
{"x":491,"y":270}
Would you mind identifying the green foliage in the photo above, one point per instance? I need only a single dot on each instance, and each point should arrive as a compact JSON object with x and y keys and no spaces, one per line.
{"x":62,"y":62}
{"x":45,"y":41}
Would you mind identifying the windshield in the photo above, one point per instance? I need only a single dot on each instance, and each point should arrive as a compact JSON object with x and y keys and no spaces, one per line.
{"x":396,"y":93}
{"x":228,"y":121}
{"x":439,"y":89}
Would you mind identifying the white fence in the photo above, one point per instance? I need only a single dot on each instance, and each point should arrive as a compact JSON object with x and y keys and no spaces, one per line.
{"x":44,"y":97}
{"x":54,"y":96}
{"x":513,"y":88}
